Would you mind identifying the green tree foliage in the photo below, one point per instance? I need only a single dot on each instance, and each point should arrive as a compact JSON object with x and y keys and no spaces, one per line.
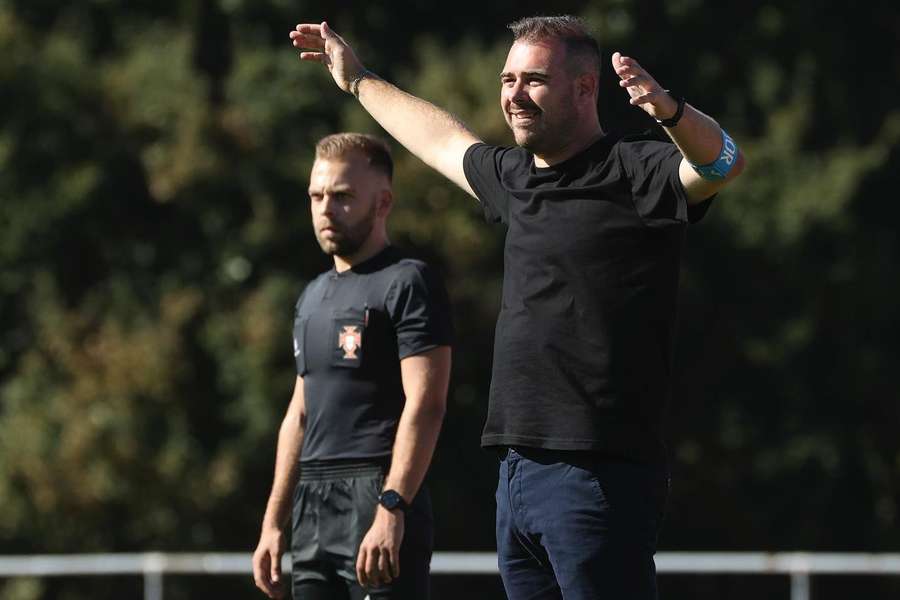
{"x":153,"y":164}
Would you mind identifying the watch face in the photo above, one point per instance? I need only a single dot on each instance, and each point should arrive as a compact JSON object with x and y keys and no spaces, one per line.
{"x":390,"y":499}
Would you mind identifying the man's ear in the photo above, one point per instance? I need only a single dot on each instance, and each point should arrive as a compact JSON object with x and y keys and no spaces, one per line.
{"x":587,"y":84}
{"x":384,"y":202}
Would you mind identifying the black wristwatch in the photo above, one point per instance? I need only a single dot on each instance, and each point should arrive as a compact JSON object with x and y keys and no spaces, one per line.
{"x":673,"y":120}
{"x":391,"y":500}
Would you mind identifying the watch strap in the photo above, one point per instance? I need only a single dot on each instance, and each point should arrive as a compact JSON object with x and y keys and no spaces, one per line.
{"x":679,"y":111}
{"x":392,"y":500}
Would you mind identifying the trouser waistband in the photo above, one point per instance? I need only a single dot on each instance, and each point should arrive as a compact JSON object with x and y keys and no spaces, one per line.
{"x":335,"y":469}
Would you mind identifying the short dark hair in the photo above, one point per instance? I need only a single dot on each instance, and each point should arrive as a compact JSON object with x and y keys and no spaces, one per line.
{"x":572,"y":31}
{"x":374,"y":149}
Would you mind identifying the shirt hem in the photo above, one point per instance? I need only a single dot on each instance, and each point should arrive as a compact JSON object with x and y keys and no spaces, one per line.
{"x":652,"y":453}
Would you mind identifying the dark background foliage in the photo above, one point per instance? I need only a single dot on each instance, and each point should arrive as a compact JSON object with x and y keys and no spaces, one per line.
{"x":155,"y":233}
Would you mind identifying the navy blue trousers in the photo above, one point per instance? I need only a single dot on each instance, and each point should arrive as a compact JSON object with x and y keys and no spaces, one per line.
{"x":574,"y":526}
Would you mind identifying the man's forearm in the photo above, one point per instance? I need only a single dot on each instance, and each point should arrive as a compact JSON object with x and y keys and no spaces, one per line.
{"x":434,"y":135}
{"x":431,"y":133}
{"x":290,"y":438}
{"x":425,"y":385}
{"x":697,"y":135}
{"x":417,"y":435}
{"x":425,"y":380}
{"x":702,"y":142}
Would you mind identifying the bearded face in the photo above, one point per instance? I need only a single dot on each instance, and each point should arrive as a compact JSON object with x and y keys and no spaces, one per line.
{"x":343,"y":235}
{"x":343,"y":195}
{"x":537,"y":97}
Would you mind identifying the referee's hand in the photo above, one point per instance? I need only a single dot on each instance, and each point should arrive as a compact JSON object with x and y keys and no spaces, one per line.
{"x":378,"y":562}
{"x":267,"y":563}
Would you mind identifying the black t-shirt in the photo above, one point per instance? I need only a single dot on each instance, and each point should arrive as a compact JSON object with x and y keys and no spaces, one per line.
{"x":350,"y":331}
{"x":582,"y":350}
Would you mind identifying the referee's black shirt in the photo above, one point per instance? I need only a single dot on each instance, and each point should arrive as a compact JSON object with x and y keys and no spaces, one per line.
{"x":350,"y":331}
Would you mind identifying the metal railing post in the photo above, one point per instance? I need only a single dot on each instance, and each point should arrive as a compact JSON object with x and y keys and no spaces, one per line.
{"x":153,"y":567}
{"x":153,"y":586}
{"x":799,"y":585}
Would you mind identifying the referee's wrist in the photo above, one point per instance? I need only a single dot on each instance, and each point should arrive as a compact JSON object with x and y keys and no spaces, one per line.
{"x":395,"y":513}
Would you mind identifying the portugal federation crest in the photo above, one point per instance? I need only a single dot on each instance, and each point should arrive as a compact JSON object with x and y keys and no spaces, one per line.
{"x":350,"y":340}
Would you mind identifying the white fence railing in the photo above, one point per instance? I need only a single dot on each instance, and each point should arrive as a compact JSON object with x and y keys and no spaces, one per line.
{"x":153,"y":566}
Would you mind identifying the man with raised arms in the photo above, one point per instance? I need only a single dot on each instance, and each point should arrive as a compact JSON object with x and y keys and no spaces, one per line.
{"x":583,"y":343}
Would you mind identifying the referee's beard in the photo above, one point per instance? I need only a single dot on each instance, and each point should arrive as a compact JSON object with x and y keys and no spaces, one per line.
{"x":347,"y":239}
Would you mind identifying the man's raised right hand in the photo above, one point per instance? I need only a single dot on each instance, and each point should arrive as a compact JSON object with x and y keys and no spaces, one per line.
{"x":317,"y":42}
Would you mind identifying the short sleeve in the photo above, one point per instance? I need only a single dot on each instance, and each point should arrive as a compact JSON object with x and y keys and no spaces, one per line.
{"x":298,"y":335}
{"x":299,"y":303}
{"x":483,"y":166}
{"x":419,"y":309}
{"x":659,"y":196}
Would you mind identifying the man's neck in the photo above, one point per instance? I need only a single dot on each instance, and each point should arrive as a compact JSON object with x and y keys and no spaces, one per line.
{"x":370,"y":248}
{"x":577,"y":145}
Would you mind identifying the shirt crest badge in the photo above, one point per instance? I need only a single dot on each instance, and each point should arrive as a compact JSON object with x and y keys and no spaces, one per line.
{"x":350,"y":340}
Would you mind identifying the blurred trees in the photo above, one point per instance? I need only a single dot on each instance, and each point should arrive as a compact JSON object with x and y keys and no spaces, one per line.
{"x":153,"y":162}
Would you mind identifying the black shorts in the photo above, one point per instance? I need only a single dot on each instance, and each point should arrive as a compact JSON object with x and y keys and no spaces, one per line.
{"x":334,"y":505}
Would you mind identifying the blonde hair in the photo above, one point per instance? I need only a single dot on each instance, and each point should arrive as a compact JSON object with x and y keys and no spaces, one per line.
{"x":374,"y":149}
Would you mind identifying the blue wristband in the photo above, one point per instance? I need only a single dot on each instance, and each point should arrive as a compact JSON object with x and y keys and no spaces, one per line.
{"x":719,"y":168}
